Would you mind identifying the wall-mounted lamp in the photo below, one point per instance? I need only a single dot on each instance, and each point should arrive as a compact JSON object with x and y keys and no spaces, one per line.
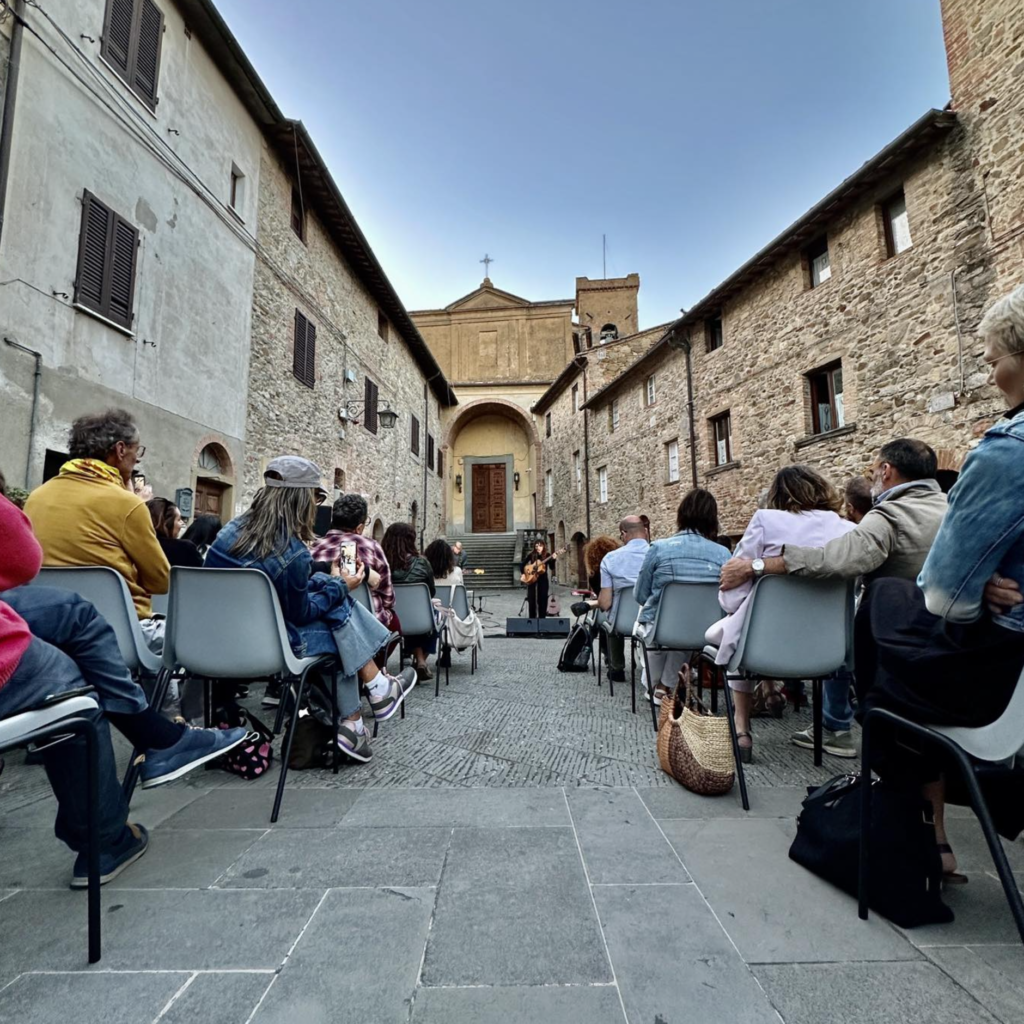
{"x":458,"y":482}
{"x":515,"y":480}
{"x":386,"y":416}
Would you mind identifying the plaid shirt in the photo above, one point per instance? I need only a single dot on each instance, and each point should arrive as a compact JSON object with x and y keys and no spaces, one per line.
{"x":369,"y":552}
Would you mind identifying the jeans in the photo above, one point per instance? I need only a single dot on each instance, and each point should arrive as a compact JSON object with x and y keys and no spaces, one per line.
{"x":42,"y":671}
{"x":837,"y":711}
{"x":358,"y":640}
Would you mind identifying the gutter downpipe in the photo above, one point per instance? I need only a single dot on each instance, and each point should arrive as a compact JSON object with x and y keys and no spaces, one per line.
{"x":10,"y":100}
{"x":37,"y":356}
{"x":689,"y":407}
{"x":586,"y":446}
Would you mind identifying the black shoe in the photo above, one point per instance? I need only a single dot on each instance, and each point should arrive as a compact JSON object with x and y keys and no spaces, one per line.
{"x":617,"y":675}
{"x":275,"y":690}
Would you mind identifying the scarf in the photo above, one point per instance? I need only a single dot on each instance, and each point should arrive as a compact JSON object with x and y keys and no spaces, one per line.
{"x":94,"y":469}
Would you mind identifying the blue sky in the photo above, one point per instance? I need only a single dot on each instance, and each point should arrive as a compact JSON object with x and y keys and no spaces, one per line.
{"x":690,"y":133}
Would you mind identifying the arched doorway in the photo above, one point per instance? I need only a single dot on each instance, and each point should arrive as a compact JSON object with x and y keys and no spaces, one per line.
{"x":378,"y":529}
{"x":214,"y":482}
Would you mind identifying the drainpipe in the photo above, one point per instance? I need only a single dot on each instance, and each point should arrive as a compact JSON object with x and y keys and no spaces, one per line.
{"x":689,"y":408}
{"x":37,"y":356}
{"x":7,"y":124}
{"x":426,"y":430}
{"x":586,"y":446}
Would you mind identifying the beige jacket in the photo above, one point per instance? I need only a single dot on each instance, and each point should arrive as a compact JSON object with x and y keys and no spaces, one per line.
{"x":893,"y":539}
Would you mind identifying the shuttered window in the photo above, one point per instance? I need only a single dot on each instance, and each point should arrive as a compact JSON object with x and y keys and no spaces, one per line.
{"x":370,"y":406}
{"x":430,"y":452}
{"x":108,"y":249}
{"x":440,"y":463}
{"x":304,"y":352}
{"x":132,"y":34}
{"x":414,"y":441}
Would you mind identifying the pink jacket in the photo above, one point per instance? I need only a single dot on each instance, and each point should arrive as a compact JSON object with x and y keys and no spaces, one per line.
{"x":20,"y":559}
{"x":767,"y":534}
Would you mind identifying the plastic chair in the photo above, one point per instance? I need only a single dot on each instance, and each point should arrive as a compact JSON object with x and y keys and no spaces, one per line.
{"x":626,"y":609}
{"x":362,"y":595}
{"x":685,"y":611}
{"x":456,"y":598}
{"x":415,"y":613}
{"x":159,"y":603}
{"x":1000,"y":741}
{"x":227,"y":624}
{"x":794,"y":628}
{"x":63,"y":717}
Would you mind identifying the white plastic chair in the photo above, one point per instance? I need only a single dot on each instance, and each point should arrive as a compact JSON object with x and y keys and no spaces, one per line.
{"x":227,"y":624}
{"x":794,"y":628}
{"x":415,"y":613}
{"x":972,"y":751}
{"x":626,"y":611}
{"x":64,"y":716}
{"x":455,"y":598}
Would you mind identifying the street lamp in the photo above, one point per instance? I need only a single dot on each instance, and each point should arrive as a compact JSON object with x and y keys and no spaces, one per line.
{"x":386,"y":416}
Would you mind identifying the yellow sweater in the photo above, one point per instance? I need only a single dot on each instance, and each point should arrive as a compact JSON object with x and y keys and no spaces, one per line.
{"x":85,"y":516}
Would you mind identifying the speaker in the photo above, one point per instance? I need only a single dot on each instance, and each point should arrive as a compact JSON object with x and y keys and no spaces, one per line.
{"x":521,"y":627}
{"x":553,"y":627}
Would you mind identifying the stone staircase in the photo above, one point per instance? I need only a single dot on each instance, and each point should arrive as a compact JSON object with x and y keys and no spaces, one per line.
{"x":492,"y":552}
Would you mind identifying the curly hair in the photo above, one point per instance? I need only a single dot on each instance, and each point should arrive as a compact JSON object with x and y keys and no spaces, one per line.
{"x":595,"y":551}
{"x":399,"y":545}
{"x":441,"y":557}
{"x":93,"y":436}
{"x":163,"y":512}
{"x":348,"y":512}
{"x":802,"y":489}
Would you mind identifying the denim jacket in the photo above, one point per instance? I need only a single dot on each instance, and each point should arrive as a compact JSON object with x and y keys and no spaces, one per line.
{"x":686,"y":557}
{"x":312,"y":606}
{"x":983,"y":532}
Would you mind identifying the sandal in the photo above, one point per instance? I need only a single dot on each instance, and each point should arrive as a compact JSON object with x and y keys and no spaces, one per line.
{"x":951,"y":877}
{"x":746,"y":753}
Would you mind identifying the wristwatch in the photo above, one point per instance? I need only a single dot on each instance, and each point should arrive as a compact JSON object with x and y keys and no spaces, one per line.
{"x":758,"y":566}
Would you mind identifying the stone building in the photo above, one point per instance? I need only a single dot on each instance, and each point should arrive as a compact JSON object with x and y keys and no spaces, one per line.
{"x":852,"y":327}
{"x":333,"y":350}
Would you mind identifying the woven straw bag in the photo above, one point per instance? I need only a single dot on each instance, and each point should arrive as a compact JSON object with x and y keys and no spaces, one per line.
{"x":694,"y":747}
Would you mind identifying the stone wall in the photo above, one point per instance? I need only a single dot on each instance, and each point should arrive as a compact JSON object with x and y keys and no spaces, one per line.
{"x":285,"y":416}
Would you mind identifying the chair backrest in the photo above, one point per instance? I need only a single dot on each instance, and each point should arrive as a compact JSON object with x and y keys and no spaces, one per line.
{"x":107,"y":591}
{"x":362,"y":595}
{"x":627,"y":608}
{"x":685,"y":611}
{"x":443,"y":592}
{"x":413,"y":608}
{"x":998,"y":741}
{"x":225,"y":624}
{"x":460,"y":602}
{"x":159,"y":603}
{"x":795,"y":628}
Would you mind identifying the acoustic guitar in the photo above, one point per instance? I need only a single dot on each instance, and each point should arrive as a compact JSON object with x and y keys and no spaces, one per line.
{"x":534,"y":570}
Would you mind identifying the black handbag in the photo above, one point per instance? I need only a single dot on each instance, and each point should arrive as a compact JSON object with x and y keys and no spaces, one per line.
{"x":904,"y":865}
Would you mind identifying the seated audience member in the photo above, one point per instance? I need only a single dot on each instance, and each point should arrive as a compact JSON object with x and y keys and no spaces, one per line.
{"x":619,"y":570}
{"x":203,"y":532}
{"x":612,"y":647}
{"x":409,"y":566}
{"x":348,"y":521}
{"x":892,"y":539}
{"x":725,"y":541}
{"x":88,"y":515}
{"x":462,"y":633}
{"x":690,"y":556}
{"x":859,"y":499}
{"x":273,"y":536}
{"x":460,"y":555}
{"x":950,"y":650}
{"x":52,"y":641}
{"x":167,"y":522}
{"x":802,"y":508}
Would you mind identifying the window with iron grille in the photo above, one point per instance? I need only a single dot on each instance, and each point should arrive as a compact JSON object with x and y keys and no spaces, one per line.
{"x":108,"y":248}
{"x":132,"y":35}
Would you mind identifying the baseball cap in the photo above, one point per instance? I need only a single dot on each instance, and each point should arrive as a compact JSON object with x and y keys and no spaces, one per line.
{"x":292,"y":471}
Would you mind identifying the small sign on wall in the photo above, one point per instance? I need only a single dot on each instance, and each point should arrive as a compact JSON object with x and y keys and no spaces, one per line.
{"x":183,"y":499}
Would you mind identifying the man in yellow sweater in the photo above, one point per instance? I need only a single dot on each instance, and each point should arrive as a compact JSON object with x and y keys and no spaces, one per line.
{"x":88,"y":515}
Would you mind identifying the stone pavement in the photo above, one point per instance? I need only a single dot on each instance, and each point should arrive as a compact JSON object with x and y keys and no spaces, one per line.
{"x":512,"y":854}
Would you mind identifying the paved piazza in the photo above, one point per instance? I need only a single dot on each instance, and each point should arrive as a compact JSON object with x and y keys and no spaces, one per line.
{"x":512,"y":854}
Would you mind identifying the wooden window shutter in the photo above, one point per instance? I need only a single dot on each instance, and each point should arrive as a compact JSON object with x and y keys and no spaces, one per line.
{"x":370,"y":406}
{"x":304,"y":352}
{"x":124,"y":248}
{"x":147,"y":52}
{"x":440,"y":463}
{"x":93,"y":243}
{"x":117,"y":34}
{"x":310,"y":378}
{"x":415,"y":440}
{"x":430,"y":451}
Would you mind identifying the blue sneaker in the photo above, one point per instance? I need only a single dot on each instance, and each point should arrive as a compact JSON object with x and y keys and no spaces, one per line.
{"x":127,"y":850}
{"x":196,"y":747}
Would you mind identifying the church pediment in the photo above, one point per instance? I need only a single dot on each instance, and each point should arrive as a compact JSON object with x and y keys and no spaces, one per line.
{"x":487,"y":297}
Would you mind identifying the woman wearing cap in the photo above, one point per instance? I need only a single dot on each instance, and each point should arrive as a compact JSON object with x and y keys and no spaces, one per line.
{"x":273,"y":536}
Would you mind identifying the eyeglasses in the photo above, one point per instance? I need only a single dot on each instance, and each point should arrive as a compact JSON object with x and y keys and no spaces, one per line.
{"x":1005,"y":355}
{"x":140,"y":449}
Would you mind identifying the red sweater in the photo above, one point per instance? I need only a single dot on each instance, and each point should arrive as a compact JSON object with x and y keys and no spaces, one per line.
{"x":20,"y":559}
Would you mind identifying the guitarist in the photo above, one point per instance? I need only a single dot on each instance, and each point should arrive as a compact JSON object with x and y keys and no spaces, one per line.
{"x":536,"y":565}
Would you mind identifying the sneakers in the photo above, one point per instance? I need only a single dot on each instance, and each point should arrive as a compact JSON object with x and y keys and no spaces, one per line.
{"x":196,"y":747}
{"x":388,"y":703}
{"x":127,"y":850}
{"x":354,"y":744}
{"x":838,"y":744}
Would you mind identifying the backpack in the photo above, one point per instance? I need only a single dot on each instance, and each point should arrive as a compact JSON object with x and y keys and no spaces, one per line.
{"x":254,"y":757}
{"x":576,"y":652}
{"x":311,"y":746}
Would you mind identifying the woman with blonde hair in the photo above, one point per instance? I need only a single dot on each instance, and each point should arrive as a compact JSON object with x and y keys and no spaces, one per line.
{"x":802,"y":509}
{"x":274,"y":536}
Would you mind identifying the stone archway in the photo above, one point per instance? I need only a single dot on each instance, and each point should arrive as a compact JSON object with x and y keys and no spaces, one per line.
{"x":213,"y":479}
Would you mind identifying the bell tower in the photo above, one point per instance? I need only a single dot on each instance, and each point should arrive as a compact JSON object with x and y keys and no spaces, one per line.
{"x":607,"y":307}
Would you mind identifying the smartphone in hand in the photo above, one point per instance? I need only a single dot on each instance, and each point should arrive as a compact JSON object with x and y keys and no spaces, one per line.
{"x":348,"y":557}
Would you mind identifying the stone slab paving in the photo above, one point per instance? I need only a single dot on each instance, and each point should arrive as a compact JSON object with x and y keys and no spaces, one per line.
{"x":512,"y":854}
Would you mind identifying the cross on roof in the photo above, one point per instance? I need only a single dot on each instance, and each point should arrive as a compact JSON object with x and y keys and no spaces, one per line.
{"x":487,"y":261}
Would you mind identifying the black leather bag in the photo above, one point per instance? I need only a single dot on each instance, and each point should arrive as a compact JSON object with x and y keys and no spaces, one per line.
{"x":904,"y":866}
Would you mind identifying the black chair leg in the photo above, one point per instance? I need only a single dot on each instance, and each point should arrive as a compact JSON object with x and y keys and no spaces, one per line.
{"x":611,"y":682}
{"x":279,"y":717}
{"x":93,"y":839}
{"x":714,"y":694}
{"x":632,"y":673}
{"x":731,"y":715}
{"x":599,"y":655}
{"x":865,"y":815}
{"x":650,"y":687}
{"x":335,"y":756}
{"x":817,"y":717}
{"x":288,"y":740}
